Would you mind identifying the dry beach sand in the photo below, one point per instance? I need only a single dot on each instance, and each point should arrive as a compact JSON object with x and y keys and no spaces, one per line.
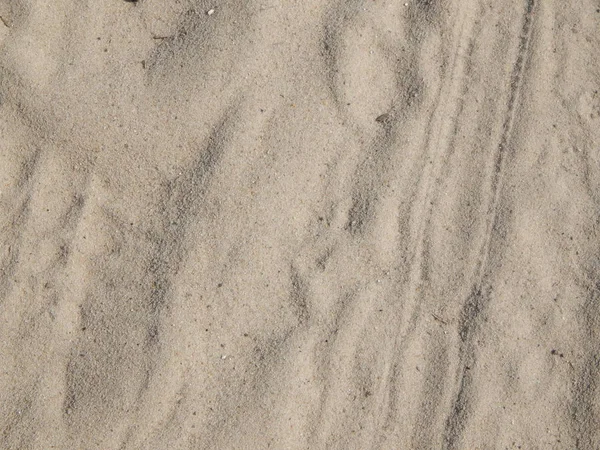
{"x":299,"y":224}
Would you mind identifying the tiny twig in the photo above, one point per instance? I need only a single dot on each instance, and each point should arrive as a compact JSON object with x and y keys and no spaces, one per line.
{"x":439,"y":319}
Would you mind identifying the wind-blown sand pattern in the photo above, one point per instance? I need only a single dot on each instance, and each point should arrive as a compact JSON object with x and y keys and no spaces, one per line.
{"x":310,"y":224}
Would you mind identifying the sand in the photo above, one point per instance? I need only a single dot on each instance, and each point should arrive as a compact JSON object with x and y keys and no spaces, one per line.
{"x":300,"y":224}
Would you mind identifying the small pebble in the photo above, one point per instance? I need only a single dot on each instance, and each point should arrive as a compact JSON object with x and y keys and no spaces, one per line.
{"x":210,"y":12}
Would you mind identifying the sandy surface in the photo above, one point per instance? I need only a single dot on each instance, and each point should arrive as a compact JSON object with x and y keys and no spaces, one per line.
{"x":300,"y":224}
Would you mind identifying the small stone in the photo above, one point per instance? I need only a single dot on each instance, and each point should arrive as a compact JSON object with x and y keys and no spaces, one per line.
{"x":383,"y":119}
{"x":210,"y":12}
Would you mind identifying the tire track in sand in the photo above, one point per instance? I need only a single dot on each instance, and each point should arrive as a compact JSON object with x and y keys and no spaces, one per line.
{"x":477,"y":301}
{"x":434,"y":147}
{"x":437,"y":147}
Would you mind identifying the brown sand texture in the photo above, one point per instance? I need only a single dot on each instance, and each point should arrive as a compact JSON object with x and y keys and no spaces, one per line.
{"x":299,"y":224}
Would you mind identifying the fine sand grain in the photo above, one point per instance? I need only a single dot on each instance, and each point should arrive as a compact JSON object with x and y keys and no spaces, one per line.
{"x":299,"y":224}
